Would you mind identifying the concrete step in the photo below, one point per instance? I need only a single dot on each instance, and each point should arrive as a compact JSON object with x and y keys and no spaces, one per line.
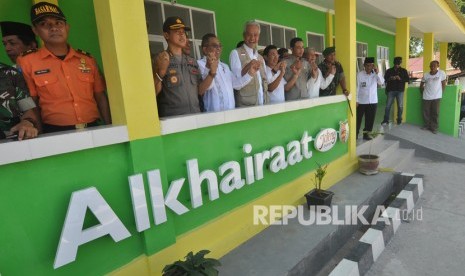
{"x":378,"y":146}
{"x":398,"y":160}
{"x":298,"y":249}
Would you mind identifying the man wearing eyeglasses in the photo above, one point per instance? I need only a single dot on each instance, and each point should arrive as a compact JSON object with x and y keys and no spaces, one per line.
{"x":220,"y":95}
{"x":64,"y":82}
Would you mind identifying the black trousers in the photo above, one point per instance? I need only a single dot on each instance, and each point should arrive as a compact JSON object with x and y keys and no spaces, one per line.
{"x":369,"y":111}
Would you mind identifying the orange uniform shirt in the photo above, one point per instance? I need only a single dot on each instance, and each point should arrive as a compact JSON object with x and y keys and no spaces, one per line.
{"x":65,"y":88}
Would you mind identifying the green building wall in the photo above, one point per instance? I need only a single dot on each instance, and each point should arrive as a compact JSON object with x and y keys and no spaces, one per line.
{"x":449,"y":113}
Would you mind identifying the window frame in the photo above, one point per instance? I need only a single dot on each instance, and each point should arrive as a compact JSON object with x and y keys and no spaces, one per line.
{"x":382,"y":63}
{"x":320,"y":57}
{"x":196,"y":43}
{"x":271,"y":32}
{"x":360,"y":59}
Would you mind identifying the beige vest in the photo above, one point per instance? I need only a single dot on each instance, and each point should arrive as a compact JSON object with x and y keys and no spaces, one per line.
{"x":248,"y":95}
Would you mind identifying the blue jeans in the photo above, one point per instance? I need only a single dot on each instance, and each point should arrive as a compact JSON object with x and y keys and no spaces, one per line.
{"x":399,"y":95}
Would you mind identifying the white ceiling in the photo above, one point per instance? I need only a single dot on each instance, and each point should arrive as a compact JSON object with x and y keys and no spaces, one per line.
{"x":426,"y":16}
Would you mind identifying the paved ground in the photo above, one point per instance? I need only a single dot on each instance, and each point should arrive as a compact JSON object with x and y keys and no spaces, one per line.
{"x":434,"y":245}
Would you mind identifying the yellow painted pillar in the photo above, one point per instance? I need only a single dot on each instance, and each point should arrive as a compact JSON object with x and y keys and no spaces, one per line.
{"x":428,"y":50}
{"x":345,"y":17}
{"x":128,"y":74}
{"x":329,"y":29}
{"x":402,"y":50}
{"x":443,"y":47}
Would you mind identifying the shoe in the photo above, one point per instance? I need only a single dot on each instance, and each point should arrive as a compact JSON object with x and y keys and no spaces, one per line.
{"x":367,"y":137}
{"x":424,"y":128}
{"x":384,"y":123}
{"x":399,"y":123}
{"x":434,"y":131}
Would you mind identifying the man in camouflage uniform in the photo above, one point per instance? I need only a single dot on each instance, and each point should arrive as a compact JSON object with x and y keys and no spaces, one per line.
{"x":18,"y":118}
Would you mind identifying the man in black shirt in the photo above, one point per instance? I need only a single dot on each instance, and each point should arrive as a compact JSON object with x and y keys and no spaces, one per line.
{"x":395,"y":77}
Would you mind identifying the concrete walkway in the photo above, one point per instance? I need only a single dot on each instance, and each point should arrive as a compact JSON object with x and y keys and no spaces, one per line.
{"x":434,"y":245}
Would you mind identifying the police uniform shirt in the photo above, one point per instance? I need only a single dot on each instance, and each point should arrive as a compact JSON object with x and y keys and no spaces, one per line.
{"x":179,"y":94}
{"x":220,"y":95}
{"x":367,"y":87}
{"x":14,"y":97}
{"x":299,"y":90}
{"x":65,"y":88}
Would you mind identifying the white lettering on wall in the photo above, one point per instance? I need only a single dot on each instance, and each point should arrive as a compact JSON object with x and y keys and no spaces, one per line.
{"x":72,"y":235}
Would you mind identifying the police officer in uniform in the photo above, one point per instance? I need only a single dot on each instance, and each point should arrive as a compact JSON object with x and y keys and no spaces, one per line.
{"x":18,"y":118}
{"x":178,"y":82}
{"x":64,"y":82}
{"x":17,"y":38}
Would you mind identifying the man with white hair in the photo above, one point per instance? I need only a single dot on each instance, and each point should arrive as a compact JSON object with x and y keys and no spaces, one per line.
{"x":248,"y":68}
{"x":317,"y":81}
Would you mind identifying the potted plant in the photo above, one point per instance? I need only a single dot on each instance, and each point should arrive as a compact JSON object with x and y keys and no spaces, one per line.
{"x":319,"y":196}
{"x":194,"y":264}
{"x":368,"y":163}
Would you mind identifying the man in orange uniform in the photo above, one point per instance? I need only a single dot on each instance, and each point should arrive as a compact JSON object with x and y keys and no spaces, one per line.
{"x":64,"y":82}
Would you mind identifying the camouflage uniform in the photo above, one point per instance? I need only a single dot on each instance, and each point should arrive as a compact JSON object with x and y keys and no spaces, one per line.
{"x":14,"y":97}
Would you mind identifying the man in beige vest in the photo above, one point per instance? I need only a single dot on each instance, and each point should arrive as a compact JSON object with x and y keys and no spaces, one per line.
{"x":248,"y":68}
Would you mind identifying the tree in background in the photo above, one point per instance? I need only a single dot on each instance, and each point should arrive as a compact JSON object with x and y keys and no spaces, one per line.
{"x":456,"y":52}
{"x":416,"y":47}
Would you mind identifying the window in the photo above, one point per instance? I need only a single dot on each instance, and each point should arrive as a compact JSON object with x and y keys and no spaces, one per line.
{"x":362,"y":52}
{"x":277,"y":35}
{"x":316,"y":41}
{"x":200,"y":21}
{"x":383,"y":58}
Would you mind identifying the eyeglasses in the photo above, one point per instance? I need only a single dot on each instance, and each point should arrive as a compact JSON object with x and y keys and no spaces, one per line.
{"x":216,"y":46}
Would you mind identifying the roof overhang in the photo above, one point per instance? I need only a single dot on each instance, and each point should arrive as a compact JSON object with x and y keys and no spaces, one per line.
{"x":440,"y":17}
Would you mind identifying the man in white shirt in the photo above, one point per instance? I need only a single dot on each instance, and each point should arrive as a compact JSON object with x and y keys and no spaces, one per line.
{"x":432,"y":86}
{"x":367,"y":96}
{"x":248,"y":68}
{"x":220,"y":95}
{"x":275,"y":70}
{"x":317,"y":81}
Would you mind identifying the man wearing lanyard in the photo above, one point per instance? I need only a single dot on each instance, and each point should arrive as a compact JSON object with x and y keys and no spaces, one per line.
{"x":367,"y":96}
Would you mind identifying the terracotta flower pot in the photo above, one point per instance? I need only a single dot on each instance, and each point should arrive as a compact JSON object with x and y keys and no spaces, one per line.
{"x":368,"y":164}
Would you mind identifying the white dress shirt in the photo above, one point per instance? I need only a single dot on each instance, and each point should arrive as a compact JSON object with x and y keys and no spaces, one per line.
{"x":277,"y":95}
{"x":367,"y":87}
{"x":240,"y":81}
{"x":315,"y":84}
{"x":220,"y":95}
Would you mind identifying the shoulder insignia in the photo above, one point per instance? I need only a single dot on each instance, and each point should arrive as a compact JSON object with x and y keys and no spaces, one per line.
{"x":29,"y":52}
{"x":83,"y":52}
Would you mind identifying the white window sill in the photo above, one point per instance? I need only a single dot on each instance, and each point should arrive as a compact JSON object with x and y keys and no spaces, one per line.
{"x":61,"y":142}
{"x":182,"y":123}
